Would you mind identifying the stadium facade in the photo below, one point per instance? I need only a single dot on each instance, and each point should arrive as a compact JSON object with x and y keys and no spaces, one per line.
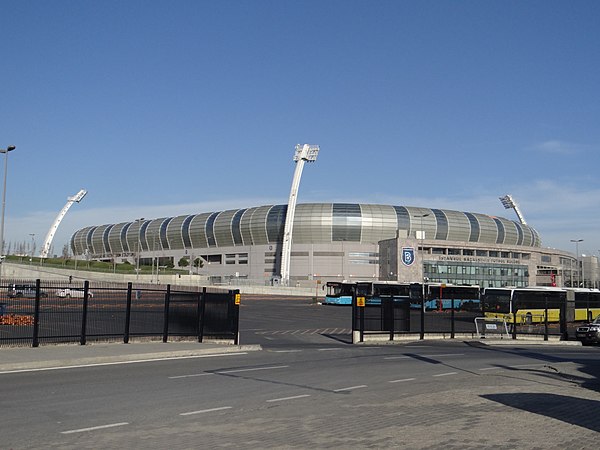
{"x":337,"y":241}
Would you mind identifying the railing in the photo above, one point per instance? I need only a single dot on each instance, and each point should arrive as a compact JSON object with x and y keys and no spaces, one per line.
{"x":34,"y":313}
{"x":402,"y":317}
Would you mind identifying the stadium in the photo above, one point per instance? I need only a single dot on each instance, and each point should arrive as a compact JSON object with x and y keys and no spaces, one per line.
{"x":336,"y":241}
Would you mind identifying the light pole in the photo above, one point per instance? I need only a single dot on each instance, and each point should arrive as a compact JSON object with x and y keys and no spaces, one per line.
{"x":303,"y":153}
{"x":10,"y":148}
{"x":577,"y":241}
{"x":32,"y":247}
{"x":422,"y":237}
{"x":139,"y":244}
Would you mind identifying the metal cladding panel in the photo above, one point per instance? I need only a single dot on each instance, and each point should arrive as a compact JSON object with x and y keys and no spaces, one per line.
{"x":510,"y":232}
{"x":97,"y":240}
{"x":198,"y":237}
{"x":459,"y":227}
{"x":222,"y":228}
{"x":134,"y":236}
{"x":235,"y":227}
{"x":347,"y":221}
{"x":442,"y":224}
{"x":403,"y":218}
{"x":258,"y":226}
{"x":475,"y":231}
{"x":114,"y":238}
{"x":419,"y":223}
{"x":501,"y":232}
{"x":79,"y":240}
{"x":519,"y":233}
{"x":276,"y":223}
{"x":488,"y":231}
{"x":378,"y":222}
{"x":152,"y":235}
{"x":174,"y":232}
{"x":313,"y":223}
{"x":105,"y":240}
{"x":245,"y":224}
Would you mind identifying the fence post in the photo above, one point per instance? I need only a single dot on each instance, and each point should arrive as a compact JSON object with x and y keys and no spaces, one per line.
{"x":392,"y":319}
{"x":202,"y":309}
{"x":36,"y":315}
{"x":452,"y":317}
{"x":166,"y":315}
{"x":422,"y":333}
{"x":86,"y":290}
{"x":546,"y":317}
{"x":513,"y":306}
{"x":127,"y":313}
{"x":236,"y":316}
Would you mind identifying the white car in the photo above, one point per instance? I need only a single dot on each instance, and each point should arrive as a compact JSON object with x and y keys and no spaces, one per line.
{"x":75,"y":293}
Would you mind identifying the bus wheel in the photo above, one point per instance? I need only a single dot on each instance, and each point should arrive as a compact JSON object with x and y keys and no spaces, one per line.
{"x":528,"y":319}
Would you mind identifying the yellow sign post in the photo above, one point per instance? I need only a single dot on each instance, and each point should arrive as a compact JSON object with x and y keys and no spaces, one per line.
{"x":238,"y":299}
{"x":360,"y":301}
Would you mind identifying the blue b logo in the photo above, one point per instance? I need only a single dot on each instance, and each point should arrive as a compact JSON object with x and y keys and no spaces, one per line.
{"x":408,"y":256}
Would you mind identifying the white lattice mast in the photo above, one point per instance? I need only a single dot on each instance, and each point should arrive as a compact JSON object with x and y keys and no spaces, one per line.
{"x":304,"y":153}
{"x":509,"y":203}
{"x":50,"y":236}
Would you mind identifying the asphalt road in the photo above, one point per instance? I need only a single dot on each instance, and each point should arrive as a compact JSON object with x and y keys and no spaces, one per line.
{"x":309,"y":388}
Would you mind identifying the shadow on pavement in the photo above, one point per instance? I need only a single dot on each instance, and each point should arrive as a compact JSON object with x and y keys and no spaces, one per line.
{"x":576,"y":411}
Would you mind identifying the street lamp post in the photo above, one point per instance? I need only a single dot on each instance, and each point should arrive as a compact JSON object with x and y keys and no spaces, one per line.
{"x":422,"y":252}
{"x":10,"y":148}
{"x":139,"y":244}
{"x":577,"y":241}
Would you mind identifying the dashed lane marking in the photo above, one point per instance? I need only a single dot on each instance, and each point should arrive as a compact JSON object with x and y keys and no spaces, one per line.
{"x":445,"y":374}
{"x":100,"y":427}
{"x":350,"y":388}
{"x":402,"y":380}
{"x":282,"y":399}
{"x":203,"y":411}
{"x":252,"y":369}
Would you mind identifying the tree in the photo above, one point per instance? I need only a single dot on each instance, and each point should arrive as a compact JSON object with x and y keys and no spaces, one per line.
{"x":198,"y":263}
{"x":183,"y":262}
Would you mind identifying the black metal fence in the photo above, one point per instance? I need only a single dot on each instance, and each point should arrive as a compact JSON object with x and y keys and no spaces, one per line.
{"x":34,"y":313}
{"x":396,"y":317}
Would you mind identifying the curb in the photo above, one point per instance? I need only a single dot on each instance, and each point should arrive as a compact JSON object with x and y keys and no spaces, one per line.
{"x":130,"y":358}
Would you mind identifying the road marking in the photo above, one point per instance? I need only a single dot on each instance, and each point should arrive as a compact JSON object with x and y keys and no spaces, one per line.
{"x":101,"y":427}
{"x":350,"y":388}
{"x":402,"y":380}
{"x":445,"y":374}
{"x":251,"y":369}
{"x":115,"y":363}
{"x":287,"y":398}
{"x":190,"y":376}
{"x":329,"y":349}
{"x":202,"y":411}
{"x":284,"y":351}
{"x":424,"y":356}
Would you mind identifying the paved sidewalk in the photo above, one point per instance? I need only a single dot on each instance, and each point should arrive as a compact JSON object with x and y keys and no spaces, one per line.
{"x":52,"y":356}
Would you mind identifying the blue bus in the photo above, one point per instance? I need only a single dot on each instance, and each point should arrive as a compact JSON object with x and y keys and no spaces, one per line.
{"x":340,"y":292}
{"x":444,"y":297}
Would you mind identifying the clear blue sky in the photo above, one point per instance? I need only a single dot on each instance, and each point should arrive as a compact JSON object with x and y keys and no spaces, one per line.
{"x":160,"y":108}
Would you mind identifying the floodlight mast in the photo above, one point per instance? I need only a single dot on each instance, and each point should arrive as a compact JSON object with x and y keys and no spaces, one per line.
{"x":50,"y":236}
{"x":509,"y":203}
{"x":304,"y":153}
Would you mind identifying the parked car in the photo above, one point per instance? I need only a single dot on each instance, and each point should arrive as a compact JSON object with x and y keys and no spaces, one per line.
{"x":75,"y":293}
{"x":24,"y":290}
{"x":589,"y":333}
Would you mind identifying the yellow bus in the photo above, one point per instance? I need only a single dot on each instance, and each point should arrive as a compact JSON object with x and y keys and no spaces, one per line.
{"x":587,"y":303}
{"x":525,"y":305}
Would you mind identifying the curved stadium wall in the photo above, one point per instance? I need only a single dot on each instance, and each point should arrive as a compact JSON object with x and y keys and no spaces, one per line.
{"x":314,"y":223}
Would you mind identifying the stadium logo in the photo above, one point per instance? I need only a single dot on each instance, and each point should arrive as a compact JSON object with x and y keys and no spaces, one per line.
{"x":408,"y":256}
